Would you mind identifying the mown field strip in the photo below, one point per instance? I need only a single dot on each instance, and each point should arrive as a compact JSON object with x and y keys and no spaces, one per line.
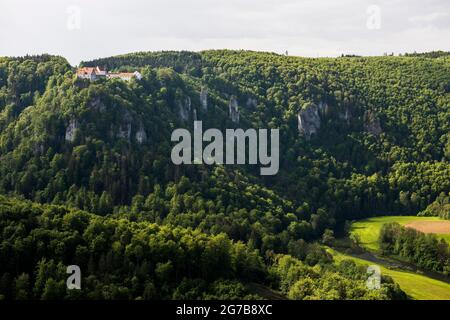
{"x":368,"y":230}
{"x":416,"y":286}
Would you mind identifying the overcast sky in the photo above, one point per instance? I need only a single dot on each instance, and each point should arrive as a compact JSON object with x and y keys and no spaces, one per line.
{"x":87,"y":29}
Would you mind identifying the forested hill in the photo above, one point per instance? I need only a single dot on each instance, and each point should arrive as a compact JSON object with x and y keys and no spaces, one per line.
{"x":358,"y":137}
{"x":380,"y":144}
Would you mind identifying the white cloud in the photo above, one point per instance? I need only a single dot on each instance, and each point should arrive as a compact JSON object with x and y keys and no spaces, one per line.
{"x":429,"y":17}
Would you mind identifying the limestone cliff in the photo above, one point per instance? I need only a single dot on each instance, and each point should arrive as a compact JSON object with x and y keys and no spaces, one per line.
{"x":204,"y":98}
{"x":252,"y":102}
{"x":125,"y":126}
{"x":308,"y":120}
{"x":345,"y":114}
{"x":234,"y":109}
{"x":372,"y":123}
{"x":71,"y":130}
{"x":185,"y":108}
{"x":141,"y":136}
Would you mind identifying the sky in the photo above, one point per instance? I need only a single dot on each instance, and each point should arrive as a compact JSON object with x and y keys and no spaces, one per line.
{"x":87,"y":29}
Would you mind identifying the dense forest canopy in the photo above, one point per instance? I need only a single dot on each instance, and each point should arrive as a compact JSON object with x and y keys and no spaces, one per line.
{"x":380,"y":144}
{"x":130,"y":260}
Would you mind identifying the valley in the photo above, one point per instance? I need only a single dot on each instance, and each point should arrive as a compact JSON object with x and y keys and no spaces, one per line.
{"x":87,"y":178}
{"x":416,"y":286}
{"x":417,"y":283}
{"x":368,"y":230}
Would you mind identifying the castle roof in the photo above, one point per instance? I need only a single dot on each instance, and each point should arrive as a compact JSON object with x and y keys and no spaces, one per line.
{"x":90,"y":70}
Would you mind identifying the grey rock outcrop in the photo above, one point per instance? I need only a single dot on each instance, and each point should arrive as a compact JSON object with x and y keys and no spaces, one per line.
{"x":185,"y":109}
{"x":194,"y":116}
{"x":125,"y":131}
{"x":38,"y":149}
{"x":204,"y":98}
{"x":372,"y":123}
{"x":71,"y":130}
{"x":345,"y":114}
{"x":98,"y":105}
{"x":308,"y":120}
{"x":234,"y":109}
{"x":125,"y":126}
{"x":141,"y":136}
{"x":324,"y":108}
{"x":252,"y":102}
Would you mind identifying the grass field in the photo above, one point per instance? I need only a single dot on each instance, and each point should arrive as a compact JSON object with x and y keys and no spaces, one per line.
{"x":369,"y":229}
{"x":416,"y":286}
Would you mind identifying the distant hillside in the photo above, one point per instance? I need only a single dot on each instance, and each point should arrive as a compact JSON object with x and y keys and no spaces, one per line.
{"x":182,"y":62}
{"x":431,"y":54}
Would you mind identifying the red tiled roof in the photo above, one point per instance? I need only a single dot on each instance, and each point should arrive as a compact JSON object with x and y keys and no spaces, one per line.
{"x":98,"y":71}
{"x":89,"y":70}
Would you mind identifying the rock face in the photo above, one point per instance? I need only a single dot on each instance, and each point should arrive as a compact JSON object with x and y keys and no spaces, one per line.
{"x":125,"y":131}
{"x":308,"y":120}
{"x":185,"y":109}
{"x":141,"y":136}
{"x":324,"y":108}
{"x":38,"y":149}
{"x":125,"y":127}
{"x":204,"y":98}
{"x":71,"y":130}
{"x":372,"y":123}
{"x":346,"y":114}
{"x":234,"y":109}
{"x":194,"y":116}
{"x":98,"y":105}
{"x":252,"y":103}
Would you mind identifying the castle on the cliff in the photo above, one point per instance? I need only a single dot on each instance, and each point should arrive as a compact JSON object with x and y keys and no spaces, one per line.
{"x":94,"y":73}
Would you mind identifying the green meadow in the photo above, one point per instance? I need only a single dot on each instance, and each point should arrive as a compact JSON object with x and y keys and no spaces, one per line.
{"x":368,"y":230}
{"x":416,"y":286}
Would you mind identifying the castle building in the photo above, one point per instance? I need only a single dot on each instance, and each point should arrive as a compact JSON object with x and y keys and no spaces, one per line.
{"x":94,"y":73}
{"x":91,"y":73}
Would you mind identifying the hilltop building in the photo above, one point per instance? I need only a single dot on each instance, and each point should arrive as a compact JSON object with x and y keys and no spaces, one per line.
{"x":91,"y":73}
{"x":94,"y":73}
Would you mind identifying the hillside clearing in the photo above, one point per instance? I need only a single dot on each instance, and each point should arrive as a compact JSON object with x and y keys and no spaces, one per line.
{"x":368,"y":230}
{"x":416,"y":286}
